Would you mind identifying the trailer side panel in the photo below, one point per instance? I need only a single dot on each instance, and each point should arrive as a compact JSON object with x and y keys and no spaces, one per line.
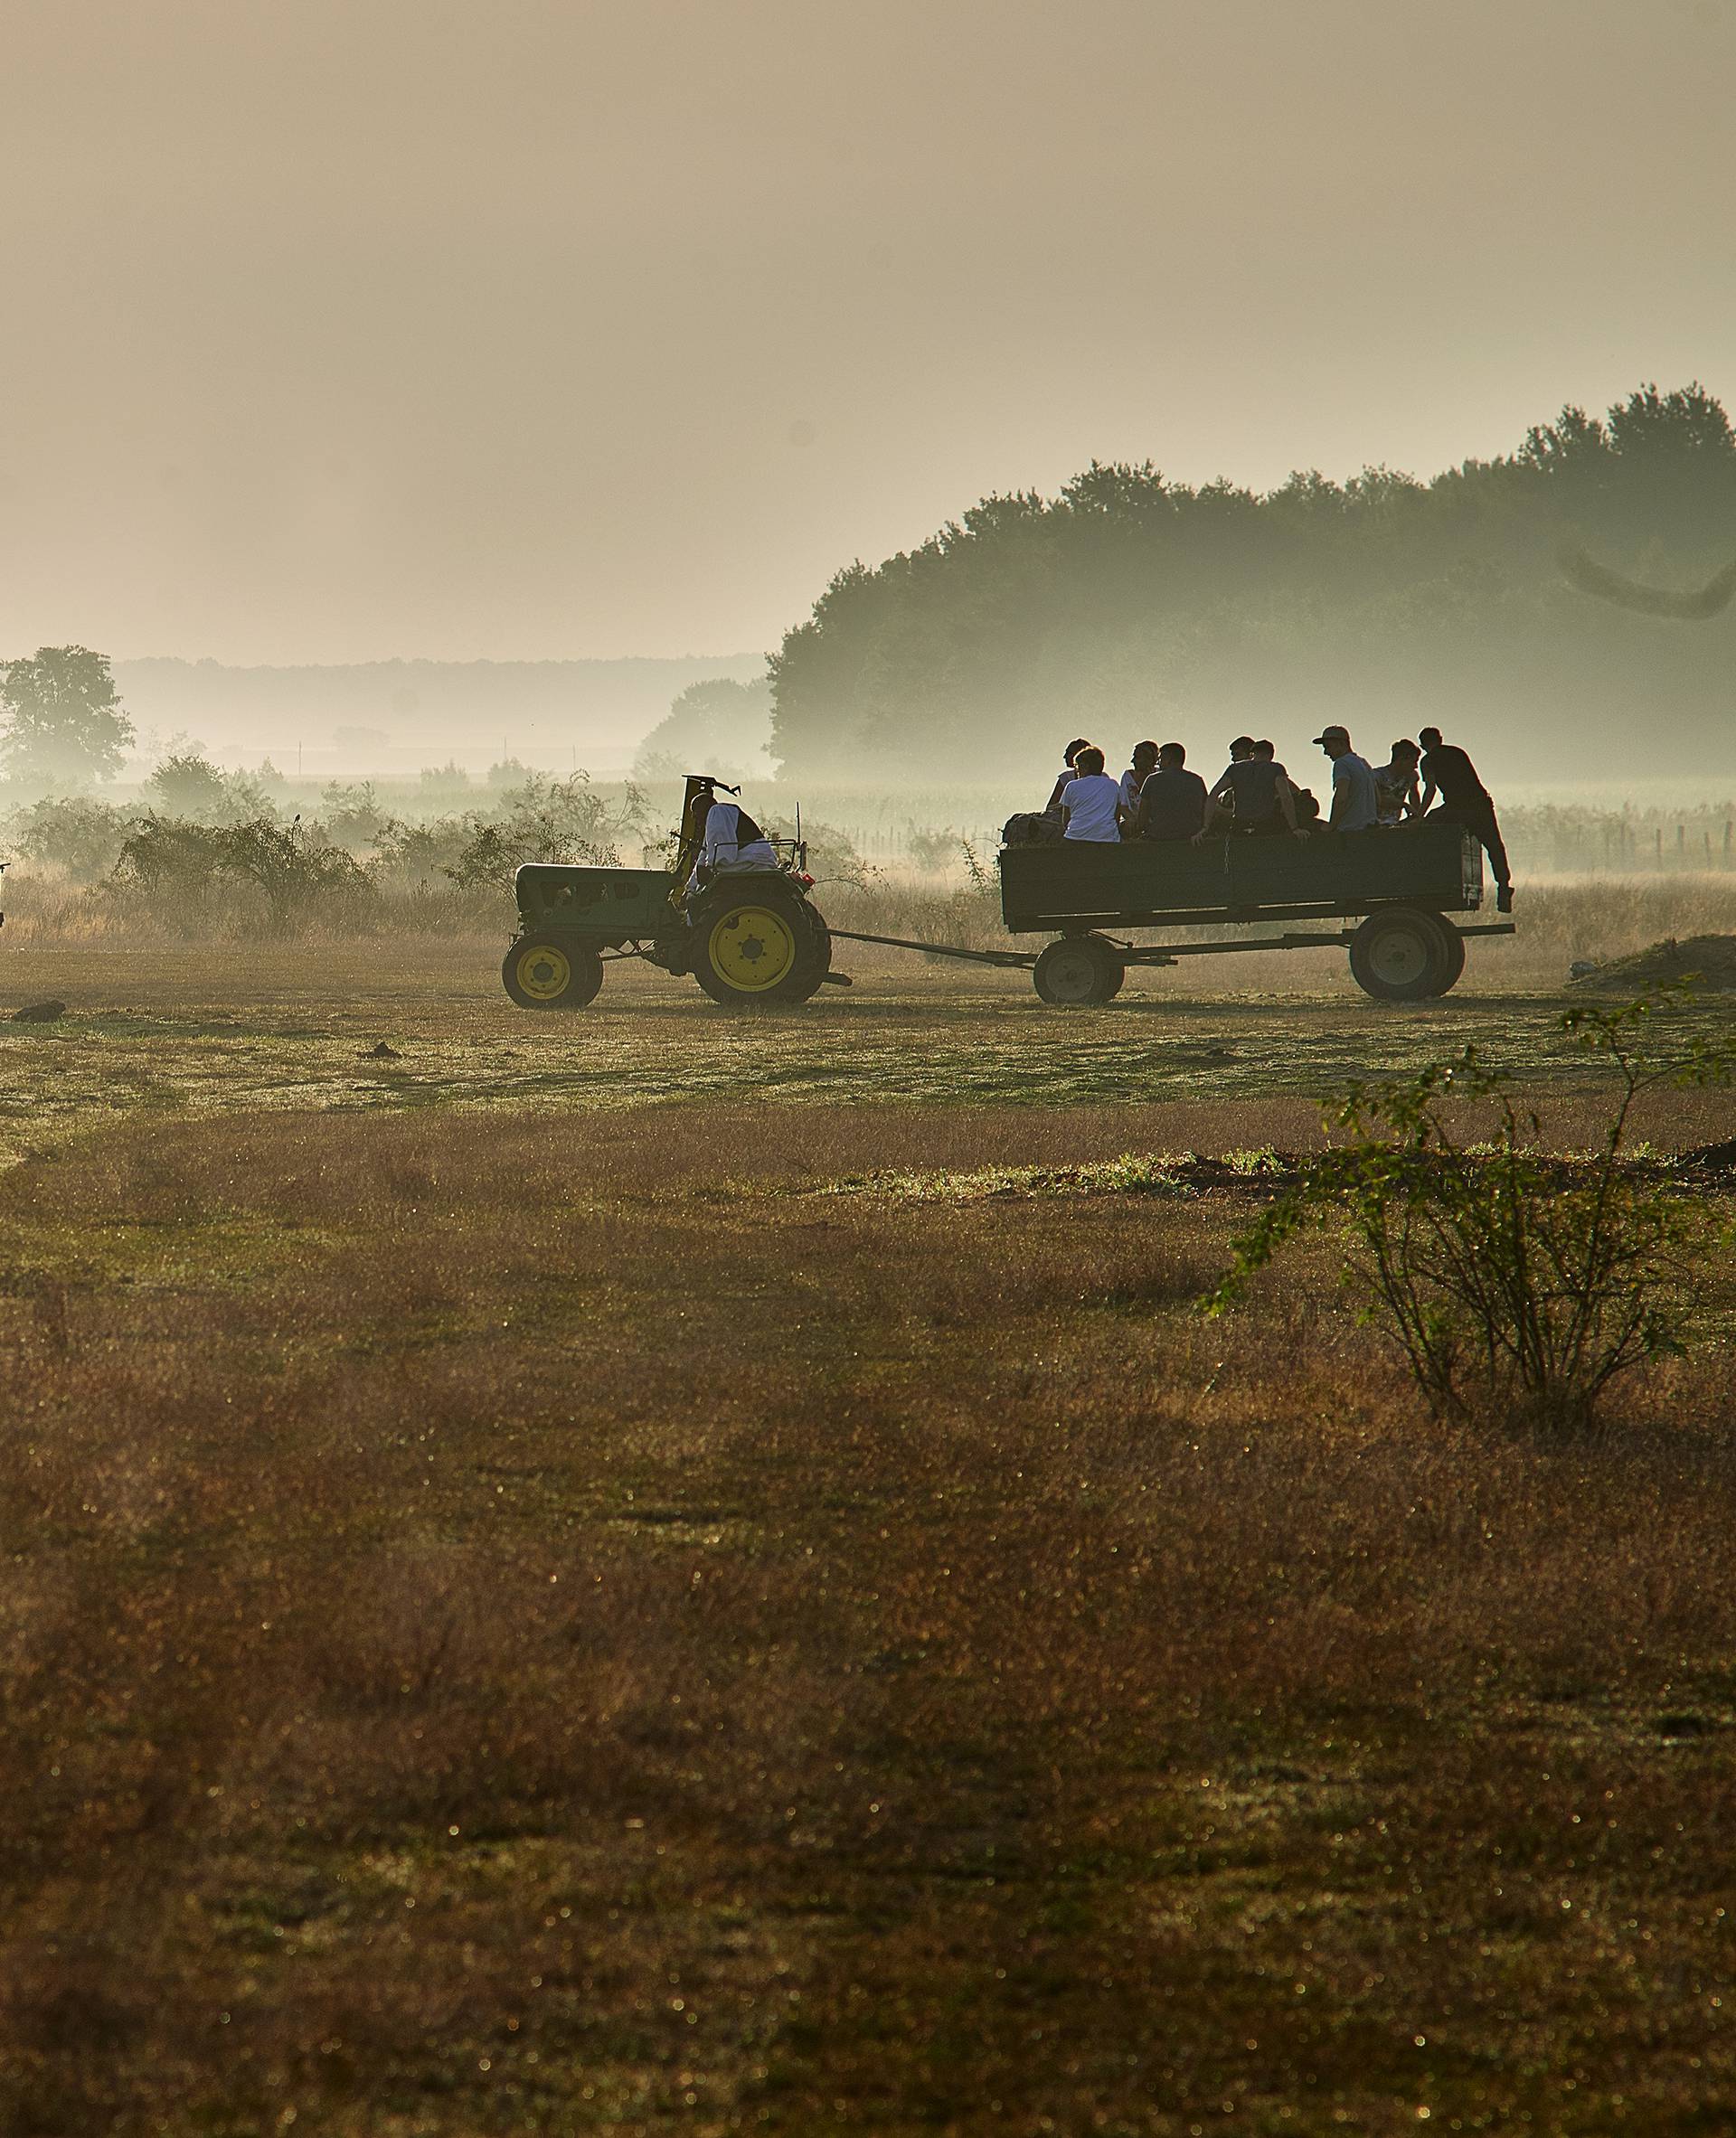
{"x":1147,"y":882}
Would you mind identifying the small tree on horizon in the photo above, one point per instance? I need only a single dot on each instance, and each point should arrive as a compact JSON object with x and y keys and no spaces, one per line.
{"x":187,"y":784}
{"x":64,"y":721}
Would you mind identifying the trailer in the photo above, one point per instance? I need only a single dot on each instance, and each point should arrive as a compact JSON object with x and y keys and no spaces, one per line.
{"x":1400,"y":885}
{"x":758,"y":939}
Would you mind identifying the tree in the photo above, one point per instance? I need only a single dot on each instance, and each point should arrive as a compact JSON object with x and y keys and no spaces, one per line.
{"x":717,"y":725}
{"x":1128,"y":601}
{"x":65,"y":723}
{"x":1685,"y":424}
{"x":187,"y":784}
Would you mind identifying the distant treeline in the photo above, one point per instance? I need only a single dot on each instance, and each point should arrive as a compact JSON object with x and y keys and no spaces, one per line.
{"x":1130,"y":606}
{"x":370,"y":715}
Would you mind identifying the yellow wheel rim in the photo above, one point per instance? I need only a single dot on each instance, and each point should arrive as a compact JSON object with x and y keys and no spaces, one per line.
{"x":544,"y":972}
{"x":752,"y":948}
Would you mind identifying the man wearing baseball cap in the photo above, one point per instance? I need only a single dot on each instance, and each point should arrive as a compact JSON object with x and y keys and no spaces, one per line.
{"x":1356,"y":798}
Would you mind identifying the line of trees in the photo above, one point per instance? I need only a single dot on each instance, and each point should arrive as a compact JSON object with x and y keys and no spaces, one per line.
{"x":1130,"y":606}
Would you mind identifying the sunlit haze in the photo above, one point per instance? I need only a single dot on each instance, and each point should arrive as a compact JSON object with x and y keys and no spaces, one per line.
{"x":338,"y":331}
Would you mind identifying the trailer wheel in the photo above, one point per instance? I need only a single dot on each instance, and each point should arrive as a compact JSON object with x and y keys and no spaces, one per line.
{"x":1078,"y":973}
{"x":1454,"y":943}
{"x":1402,"y":955}
{"x":541,"y":974}
{"x":755,"y":944}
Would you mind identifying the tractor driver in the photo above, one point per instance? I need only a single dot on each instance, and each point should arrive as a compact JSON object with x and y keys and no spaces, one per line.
{"x":733,"y":844}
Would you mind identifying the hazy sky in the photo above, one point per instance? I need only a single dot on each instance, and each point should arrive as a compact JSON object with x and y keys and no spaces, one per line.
{"x":336,"y":329}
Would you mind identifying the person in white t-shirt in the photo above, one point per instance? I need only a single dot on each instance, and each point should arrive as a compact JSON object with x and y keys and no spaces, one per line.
{"x":1091,"y":801}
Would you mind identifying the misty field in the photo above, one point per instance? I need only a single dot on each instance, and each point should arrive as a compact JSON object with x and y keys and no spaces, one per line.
{"x":650,"y":1572}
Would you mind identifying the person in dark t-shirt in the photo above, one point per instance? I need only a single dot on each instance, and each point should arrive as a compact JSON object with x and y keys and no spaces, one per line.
{"x":1446,"y":771}
{"x":1252,"y":793}
{"x":1172,"y":802}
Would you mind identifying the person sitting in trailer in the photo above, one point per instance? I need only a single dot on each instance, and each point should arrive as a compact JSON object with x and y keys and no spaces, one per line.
{"x":1355,"y":804}
{"x":732,"y":844}
{"x":1172,"y":802}
{"x":1069,"y":761}
{"x":1396,"y":784}
{"x":1305,"y":811}
{"x":1145,"y":763}
{"x":1090,"y":799}
{"x":1254,"y":794}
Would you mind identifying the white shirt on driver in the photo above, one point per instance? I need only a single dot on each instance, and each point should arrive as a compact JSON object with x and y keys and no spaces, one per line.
{"x":722,"y":852}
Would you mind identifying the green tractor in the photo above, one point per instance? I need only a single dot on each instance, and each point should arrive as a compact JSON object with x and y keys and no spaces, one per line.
{"x":748,"y":938}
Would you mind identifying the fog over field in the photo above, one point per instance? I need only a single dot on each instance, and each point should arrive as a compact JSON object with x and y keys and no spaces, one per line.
{"x":369,"y":718}
{"x":550,"y":332}
{"x":896,"y":1459}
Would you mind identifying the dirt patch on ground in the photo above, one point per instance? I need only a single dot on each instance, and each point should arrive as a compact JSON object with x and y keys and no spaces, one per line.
{"x":1712,"y":957}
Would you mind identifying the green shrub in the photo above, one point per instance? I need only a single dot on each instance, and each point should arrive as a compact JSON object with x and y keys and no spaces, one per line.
{"x":931,"y":852}
{"x":831,"y":856}
{"x":417,"y":856}
{"x":446,"y":783}
{"x":351,"y":815}
{"x":79,"y":837}
{"x":1515,"y":1283}
{"x":176,"y":864}
{"x":189,"y":786}
{"x":547,"y":820}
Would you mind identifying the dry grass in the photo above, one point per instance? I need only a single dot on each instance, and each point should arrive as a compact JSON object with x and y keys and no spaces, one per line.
{"x":519,"y":1623}
{"x":242,"y":1030}
{"x":1561,"y":920}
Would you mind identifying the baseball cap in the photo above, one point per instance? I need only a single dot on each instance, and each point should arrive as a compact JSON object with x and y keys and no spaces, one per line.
{"x":1332,"y":734}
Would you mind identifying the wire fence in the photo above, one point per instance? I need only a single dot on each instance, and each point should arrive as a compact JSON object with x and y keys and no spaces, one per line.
{"x":1572,"y":842}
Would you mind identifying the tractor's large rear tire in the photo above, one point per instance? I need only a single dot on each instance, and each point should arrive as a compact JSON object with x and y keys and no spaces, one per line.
{"x":1405,"y":953}
{"x":811,"y":981}
{"x":541,"y":973}
{"x":1078,"y":973}
{"x":754,"y":943}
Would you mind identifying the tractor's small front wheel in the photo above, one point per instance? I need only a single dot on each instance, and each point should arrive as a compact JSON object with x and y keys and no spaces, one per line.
{"x":754,"y":942}
{"x":1078,"y":973}
{"x":541,"y":974}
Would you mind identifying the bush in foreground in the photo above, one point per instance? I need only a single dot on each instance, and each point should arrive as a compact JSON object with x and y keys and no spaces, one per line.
{"x":1515,"y":1283}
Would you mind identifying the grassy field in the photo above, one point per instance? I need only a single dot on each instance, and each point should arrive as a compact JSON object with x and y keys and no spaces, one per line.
{"x":236,"y":1030}
{"x":647,"y":1572}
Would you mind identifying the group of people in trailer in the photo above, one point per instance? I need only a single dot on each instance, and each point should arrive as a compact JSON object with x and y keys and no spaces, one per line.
{"x":1158,"y":797}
